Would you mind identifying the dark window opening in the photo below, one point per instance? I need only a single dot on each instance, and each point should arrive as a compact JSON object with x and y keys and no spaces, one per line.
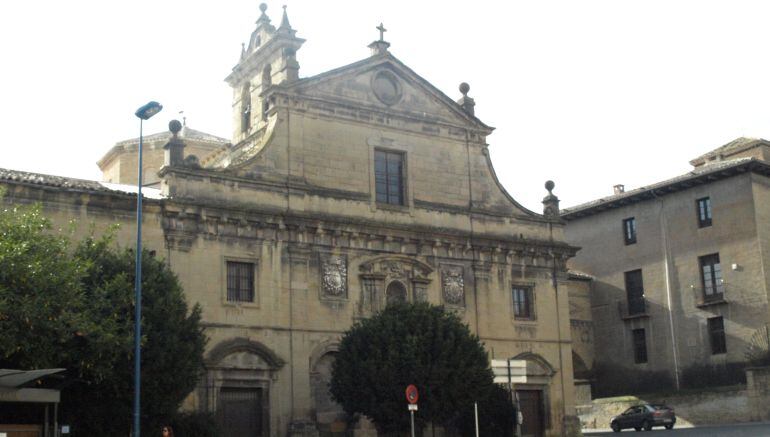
{"x":240,"y":282}
{"x":640,"y":346}
{"x":711,"y":277}
{"x":629,"y":230}
{"x":246,"y":107}
{"x":704,"y":212}
{"x":635,"y":292}
{"x":522,"y":303}
{"x":389,"y":177}
{"x":716,"y":327}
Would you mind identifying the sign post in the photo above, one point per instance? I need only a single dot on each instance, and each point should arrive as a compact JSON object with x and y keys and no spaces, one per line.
{"x":511,"y":372}
{"x":412,"y":395}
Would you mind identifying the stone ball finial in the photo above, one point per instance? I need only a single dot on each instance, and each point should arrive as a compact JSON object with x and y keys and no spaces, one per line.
{"x":549,"y":186}
{"x":464,"y":88}
{"x":174,"y":126}
{"x":263,"y":7}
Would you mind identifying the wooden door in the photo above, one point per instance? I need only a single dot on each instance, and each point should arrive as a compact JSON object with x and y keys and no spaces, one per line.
{"x":531,"y":403}
{"x":239,"y":412}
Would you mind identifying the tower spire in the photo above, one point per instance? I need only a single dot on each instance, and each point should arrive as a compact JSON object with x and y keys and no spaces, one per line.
{"x":285,"y":21}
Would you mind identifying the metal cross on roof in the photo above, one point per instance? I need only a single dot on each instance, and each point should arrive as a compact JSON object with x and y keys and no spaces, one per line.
{"x":382,"y":30}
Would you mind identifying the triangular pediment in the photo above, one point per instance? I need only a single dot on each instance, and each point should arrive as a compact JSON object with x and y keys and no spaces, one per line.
{"x":384,"y":83}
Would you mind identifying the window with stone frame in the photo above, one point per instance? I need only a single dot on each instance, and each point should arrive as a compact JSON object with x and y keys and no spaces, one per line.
{"x":716,"y":328}
{"x":629,"y":230}
{"x":240,"y":281}
{"x":389,"y":177}
{"x":640,"y":346}
{"x":523,"y":303}
{"x":703,"y":208}
{"x":711,"y":277}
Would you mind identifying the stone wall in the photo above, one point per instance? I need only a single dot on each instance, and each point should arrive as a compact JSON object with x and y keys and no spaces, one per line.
{"x":713,"y":406}
{"x":758,"y":392}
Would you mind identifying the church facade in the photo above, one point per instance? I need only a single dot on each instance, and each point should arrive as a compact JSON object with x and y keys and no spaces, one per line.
{"x":339,"y":194}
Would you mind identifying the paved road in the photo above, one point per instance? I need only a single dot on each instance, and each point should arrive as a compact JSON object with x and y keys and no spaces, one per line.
{"x":743,"y":430}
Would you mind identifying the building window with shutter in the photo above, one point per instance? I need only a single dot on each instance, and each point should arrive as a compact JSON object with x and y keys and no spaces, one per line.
{"x":711,"y":278}
{"x":240,"y":281}
{"x":640,"y":346}
{"x":704,"y":212}
{"x":523,"y":308}
{"x":629,"y":230}
{"x":716,"y":327}
{"x":635,"y":292}
{"x":389,"y":177}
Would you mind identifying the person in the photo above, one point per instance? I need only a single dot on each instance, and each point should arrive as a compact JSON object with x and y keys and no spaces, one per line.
{"x":167,"y":431}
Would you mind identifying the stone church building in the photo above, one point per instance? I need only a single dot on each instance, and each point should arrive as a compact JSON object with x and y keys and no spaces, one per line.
{"x":338,"y":194}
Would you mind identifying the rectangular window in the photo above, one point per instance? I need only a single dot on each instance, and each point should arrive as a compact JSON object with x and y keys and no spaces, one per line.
{"x":716,"y":327}
{"x":522,"y":303}
{"x":240,"y":282}
{"x":704,"y":212}
{"x":635,"y":292}
{"x":629,"y":231}
{"x":640,"y":346}
{"x":389,"y":177}
{"x":711,"y":276}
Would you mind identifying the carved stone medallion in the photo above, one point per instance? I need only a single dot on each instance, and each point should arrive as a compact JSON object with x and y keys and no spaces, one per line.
{"x":453,"y":285}
{"x":334,"y":276}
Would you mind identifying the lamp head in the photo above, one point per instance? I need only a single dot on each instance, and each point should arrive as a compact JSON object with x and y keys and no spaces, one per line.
{"x":148,"y":110}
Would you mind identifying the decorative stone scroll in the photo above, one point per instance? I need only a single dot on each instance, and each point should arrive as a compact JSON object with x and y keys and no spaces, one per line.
{"x":453,"y":285}
{"x":334,"y":276}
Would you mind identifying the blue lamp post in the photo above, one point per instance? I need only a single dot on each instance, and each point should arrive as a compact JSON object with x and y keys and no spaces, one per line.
{"x":144,"y":113}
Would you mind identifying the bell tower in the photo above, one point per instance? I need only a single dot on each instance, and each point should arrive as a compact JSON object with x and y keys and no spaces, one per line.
{"x":269,"y":59}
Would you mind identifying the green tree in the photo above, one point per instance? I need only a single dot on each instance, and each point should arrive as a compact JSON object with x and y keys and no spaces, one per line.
{"x":418,"y":344}
{"x":73,"y":308}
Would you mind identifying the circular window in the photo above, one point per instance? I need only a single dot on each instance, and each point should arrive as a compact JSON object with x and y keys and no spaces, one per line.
{"x":386,"y":87}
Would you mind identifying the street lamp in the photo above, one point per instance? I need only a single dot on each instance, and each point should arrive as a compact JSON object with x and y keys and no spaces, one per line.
{"x":144,"y":113}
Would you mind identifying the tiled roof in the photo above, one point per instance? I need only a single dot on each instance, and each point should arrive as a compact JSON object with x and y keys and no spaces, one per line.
{"x":186,"y":134}
{"x":699,"y":175}
{"x":734,"y":146}
{"x":24,"y":177}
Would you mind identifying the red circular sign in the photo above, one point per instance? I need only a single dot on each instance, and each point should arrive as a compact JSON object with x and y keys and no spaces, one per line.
{"x":411,"y":394}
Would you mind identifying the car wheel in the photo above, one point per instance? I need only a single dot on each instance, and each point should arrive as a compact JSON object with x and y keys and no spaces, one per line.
{"x":647,"y":425}
{"x":637,"y":428}
{"x":670,"y":426}
{"x":615,"y":427}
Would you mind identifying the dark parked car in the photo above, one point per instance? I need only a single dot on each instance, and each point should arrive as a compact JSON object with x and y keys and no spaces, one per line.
{"x":644,"y":417}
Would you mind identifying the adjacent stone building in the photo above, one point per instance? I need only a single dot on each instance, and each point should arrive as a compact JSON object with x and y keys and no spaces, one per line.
{"x":682,"y":267}
{"x":339,"y":194}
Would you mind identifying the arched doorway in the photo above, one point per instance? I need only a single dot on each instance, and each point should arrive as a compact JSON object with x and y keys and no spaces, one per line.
{"x":239,"y":375}
{"x":330,"y":418}
{"x":533,"y":396}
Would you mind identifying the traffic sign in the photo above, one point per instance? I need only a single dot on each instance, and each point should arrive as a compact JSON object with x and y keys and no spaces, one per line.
{"x":412,"y":394}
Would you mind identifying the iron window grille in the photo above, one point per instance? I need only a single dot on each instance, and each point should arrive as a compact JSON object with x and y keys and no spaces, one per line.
{"x":640,"y":346}
{"x":240,"y":281}
{"x":716,"y":327}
